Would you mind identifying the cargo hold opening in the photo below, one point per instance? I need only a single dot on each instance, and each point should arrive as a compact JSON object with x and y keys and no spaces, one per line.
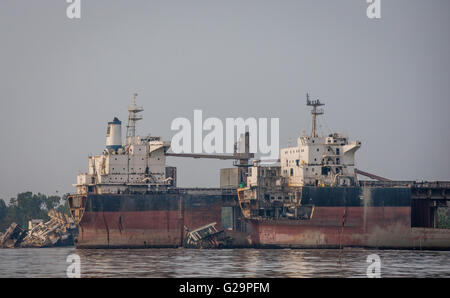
{"x":426,"y":213}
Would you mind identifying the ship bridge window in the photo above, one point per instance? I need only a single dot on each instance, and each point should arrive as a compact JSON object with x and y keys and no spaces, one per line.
{"x":325,"y":170}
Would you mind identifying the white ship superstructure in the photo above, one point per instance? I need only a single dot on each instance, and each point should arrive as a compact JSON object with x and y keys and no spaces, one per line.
{"x":316,"y":160}
{"x":138,"y":165}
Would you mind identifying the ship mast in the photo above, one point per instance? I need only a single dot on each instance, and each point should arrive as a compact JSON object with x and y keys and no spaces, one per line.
{"x":315,"y":112}
{"x":133,"y":116}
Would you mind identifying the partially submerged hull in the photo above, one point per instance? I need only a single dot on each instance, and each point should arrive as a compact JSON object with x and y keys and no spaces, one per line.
{"x":340,"y":217}
{"x":375,"y":227}
{"x":155,"y":220}
{"x":376,"y":217}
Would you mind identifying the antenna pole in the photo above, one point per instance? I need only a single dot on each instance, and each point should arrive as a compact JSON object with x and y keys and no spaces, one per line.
{"x":133,"y":116}
{"x":315,"y":112}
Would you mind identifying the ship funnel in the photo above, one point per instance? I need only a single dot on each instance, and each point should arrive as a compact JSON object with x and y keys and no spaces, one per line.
{"x":114,"y":134}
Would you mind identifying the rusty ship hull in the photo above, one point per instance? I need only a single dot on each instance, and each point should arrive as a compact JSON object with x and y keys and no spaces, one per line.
{"x":373,"y":217}
{"x":374,"y":227}
{"x":152,"y":220}
{"x":377,"y":217}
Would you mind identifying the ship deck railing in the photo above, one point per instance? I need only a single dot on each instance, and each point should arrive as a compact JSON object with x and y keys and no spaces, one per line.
{"x":412,"y":184}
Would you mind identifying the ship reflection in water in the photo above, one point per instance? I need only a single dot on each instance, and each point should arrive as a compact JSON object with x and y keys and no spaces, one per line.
{"x":226,"y":263}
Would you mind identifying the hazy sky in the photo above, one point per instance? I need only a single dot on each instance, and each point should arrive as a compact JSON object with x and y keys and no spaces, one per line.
{"x":385,"y":82}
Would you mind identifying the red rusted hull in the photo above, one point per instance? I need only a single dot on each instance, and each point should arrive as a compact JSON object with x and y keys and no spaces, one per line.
{"x":378,"y":227}
{"x":149,"y":221}
{"x":160,"y":219}
{"x":140,"y":228}
{"x":136,"y":229}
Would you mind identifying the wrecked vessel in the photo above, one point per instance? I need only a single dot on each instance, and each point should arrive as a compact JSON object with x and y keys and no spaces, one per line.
{"x":129,"y":197}
{"x":312,"y":198}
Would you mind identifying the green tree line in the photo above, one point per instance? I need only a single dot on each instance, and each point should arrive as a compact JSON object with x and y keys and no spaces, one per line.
{"x":29,"y":206}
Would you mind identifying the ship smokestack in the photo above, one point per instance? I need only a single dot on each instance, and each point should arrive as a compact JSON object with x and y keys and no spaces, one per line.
{"x":114,"y":134}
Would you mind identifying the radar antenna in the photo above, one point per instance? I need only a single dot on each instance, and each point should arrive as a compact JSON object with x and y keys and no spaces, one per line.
{"x":133,"y":116}
{"x":315,"y":112}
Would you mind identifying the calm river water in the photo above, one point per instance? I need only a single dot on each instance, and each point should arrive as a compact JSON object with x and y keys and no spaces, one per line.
{"x":52,"y":262}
